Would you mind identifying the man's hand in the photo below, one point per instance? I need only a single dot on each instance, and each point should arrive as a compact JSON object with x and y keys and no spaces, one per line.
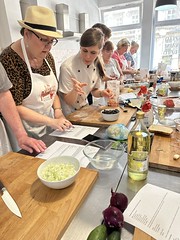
{"x":29,"y":144}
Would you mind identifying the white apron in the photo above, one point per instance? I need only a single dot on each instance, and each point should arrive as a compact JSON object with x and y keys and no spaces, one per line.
{"x":5,"y":145}
{"x":41,"y":98}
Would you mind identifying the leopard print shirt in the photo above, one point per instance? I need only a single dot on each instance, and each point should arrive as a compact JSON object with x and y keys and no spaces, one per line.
{"x":19,"y":75}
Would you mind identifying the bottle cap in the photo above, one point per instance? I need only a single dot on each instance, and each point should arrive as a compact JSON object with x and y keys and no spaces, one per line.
{"x":140,"y":115}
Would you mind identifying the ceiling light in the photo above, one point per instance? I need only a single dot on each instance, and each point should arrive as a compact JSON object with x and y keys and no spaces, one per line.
{"x":165,"y":4}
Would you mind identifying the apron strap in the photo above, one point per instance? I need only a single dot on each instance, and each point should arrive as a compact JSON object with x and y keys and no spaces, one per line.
{"x":25,"y":56}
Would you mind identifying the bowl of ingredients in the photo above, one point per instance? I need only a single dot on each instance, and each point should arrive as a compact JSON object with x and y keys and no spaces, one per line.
{"x":174,"y":85}
{"x":103,"y":154}
{"x":59,"y":172}
{"x":110,"y":115}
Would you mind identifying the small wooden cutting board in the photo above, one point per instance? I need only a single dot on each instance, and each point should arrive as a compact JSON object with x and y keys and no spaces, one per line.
{"x":90,"y":115}
{"x":46,"y":213}
{"x":162,"y":151}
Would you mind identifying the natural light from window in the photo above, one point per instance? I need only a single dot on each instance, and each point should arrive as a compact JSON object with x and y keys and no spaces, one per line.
{"x":167,"y":39}
{"x":122,"y":17}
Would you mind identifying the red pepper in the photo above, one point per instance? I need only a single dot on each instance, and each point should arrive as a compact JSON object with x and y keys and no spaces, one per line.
{"x":146,"y":106}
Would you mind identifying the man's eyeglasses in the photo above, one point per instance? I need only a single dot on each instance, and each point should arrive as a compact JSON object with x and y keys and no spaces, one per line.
{"x":45,"y":41}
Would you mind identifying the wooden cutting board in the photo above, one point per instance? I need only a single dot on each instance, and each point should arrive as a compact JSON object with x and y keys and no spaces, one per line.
{"x":46,"y":213}
{"x":162,"y":151}
{"x":90,"y":115}
{"x":140,"y":235}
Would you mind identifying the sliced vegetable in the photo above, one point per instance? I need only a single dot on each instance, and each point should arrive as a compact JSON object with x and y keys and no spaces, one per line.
{"x":58,"y":172}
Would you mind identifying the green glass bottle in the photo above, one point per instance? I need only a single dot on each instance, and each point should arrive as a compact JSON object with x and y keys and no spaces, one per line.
{"x":138,"y":149}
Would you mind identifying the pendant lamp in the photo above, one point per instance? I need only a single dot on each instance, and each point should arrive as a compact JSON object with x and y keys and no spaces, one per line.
{"x":165,"y":4}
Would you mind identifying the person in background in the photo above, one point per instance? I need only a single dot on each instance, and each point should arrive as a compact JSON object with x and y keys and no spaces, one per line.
{"x":122,"y":47}
{"x":79,"y":74}
{"x":105,"y":30}
{"x":31,"y":69}
{"x":107,"y":34}
{"x":111,"y":65}
{"x":129,"y":54}
{"x":9,"y":112}
{"x":112,"y":69}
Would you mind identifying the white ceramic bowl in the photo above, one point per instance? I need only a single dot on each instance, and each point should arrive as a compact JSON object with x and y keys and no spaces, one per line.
{"x":103,"y":154}
{"x":59,"y":160}
{"x":110,"y":115}
{"x":174,"y":85}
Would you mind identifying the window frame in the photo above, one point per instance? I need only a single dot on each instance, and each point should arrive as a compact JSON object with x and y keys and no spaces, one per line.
{"x":122,"y":7}
{"x":164,"y":23}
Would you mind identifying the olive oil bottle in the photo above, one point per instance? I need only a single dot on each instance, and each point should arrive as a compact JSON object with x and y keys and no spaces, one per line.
{"x":138,"y":149}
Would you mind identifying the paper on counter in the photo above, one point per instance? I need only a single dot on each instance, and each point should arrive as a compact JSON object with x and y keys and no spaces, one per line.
{"x":125,"y":96}
{"x":65,"y":149}
{"x":76,"y":132}
{"x":155,"y":211}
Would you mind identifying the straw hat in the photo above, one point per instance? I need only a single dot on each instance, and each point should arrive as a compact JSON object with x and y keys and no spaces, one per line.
{"x":41,"y":20}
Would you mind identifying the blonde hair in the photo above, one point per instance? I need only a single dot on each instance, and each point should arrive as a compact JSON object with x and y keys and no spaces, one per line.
{"x":122,"y":43}
{"x":134,"y":44}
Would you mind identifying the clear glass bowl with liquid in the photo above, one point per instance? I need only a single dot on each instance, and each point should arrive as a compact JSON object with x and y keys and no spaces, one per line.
{"x":104,"y":154}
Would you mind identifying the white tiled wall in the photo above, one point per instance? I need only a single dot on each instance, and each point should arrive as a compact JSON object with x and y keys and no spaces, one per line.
{"x":64,"y":49}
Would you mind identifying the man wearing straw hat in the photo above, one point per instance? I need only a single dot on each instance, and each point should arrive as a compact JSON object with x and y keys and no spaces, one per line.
{"x":31,"y":69}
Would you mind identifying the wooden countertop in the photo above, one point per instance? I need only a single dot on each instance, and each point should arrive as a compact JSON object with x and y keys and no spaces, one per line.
{"x":46,"y":213}
{"x":90,"y":115}
{"x":162,"y":151}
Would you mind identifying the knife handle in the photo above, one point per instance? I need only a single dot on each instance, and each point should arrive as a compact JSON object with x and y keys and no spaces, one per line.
{"x":1,"y":185}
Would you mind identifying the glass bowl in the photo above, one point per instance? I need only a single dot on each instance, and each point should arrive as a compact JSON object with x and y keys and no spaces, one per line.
{"x":103,"y":154}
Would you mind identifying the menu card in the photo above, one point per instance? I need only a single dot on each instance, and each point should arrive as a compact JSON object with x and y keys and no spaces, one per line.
{"x":66,"y":149}
{"x":155,"y":211}
{"x":76,"y":132}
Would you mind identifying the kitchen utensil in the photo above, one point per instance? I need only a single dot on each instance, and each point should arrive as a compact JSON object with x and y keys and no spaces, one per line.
{"x":124,"y":109}
{"x":9,"y":201}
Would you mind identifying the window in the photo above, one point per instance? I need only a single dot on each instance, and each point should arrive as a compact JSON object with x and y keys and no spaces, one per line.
{"x":121,"y":17}
{"x":124,"y":22}
{"x":167,"y":38}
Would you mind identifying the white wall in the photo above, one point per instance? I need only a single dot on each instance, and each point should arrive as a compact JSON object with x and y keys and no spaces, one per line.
{"x":10,"y":12}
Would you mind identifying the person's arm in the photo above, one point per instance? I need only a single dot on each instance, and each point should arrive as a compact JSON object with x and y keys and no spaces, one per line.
{"x":10,"y":113}
{"x":130,"y":71}
{"x":39,"y":119}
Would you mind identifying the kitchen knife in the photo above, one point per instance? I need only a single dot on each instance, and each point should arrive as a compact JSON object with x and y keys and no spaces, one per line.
{"x":9,"y":201}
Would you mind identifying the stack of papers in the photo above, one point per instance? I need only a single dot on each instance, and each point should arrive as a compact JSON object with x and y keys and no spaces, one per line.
{"x":60,"y":148}
{"x":155,"y":211}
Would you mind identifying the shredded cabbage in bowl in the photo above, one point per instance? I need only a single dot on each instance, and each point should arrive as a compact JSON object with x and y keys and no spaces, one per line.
{"x":58,"y":172}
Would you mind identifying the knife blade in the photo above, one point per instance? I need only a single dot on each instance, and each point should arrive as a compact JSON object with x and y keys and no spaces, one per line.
{"x":9,"y":201}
